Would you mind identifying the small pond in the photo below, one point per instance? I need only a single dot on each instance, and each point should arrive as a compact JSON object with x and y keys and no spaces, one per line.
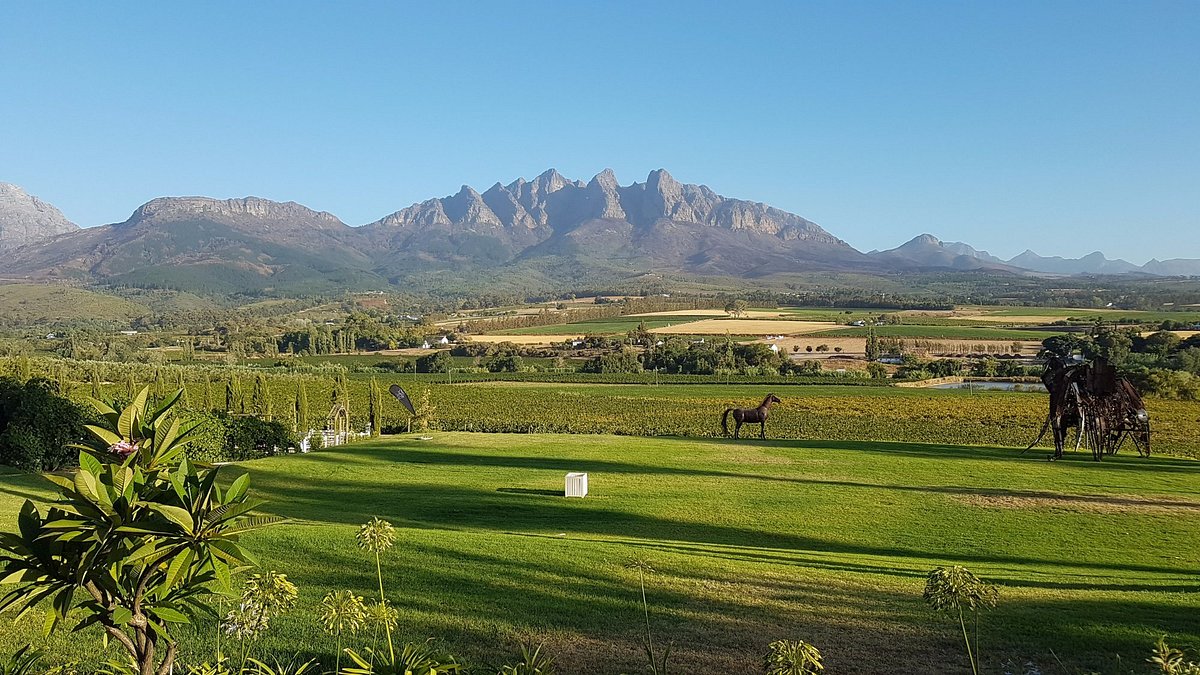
{"x":994,"y":386}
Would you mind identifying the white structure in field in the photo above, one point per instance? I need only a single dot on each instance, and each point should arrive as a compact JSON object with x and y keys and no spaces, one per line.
{"x":576,"y":485}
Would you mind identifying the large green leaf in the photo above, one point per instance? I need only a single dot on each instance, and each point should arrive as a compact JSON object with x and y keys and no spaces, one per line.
{"x":106,"y":436}
{"x":86,"y":485}
{"x":128,"y":420}
{"x":176,"y":570}
{"x":176,"y":515}
{"x":237,"y":488}
{"x":171,"y":615}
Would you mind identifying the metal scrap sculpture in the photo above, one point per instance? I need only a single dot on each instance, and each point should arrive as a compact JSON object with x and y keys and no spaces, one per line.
{"x":1103,"y":408}
{"x":749,"y":416}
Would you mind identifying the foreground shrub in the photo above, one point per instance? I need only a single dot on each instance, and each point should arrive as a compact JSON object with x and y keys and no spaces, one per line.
{"x":36,"y":426}
{"x":140,"y":540}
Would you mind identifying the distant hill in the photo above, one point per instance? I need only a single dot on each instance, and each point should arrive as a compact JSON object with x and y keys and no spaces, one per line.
{"x":208,"y":245}
{"x":927,"y":251}
{"x":25,"y":219}
{"x":22,"y":304}
{"x":529,"y":236}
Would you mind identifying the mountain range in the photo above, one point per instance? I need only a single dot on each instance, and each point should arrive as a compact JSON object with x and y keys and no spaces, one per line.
{"x":551,"y":229}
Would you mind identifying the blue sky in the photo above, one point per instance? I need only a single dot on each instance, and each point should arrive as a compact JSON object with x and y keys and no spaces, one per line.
{"x":1064,"y":127}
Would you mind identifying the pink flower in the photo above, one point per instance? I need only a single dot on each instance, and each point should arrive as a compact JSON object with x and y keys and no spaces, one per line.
{"x":123,"y":449}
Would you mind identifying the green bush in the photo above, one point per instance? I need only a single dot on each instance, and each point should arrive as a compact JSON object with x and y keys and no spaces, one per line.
{"x":36,"y":426}
{"x":221,"y":437}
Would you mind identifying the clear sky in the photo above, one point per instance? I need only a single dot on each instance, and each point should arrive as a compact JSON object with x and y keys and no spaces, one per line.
{"x":1064,"y":127}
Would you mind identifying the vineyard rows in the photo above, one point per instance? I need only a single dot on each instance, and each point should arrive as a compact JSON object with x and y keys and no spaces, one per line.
{"x":815,"y":412}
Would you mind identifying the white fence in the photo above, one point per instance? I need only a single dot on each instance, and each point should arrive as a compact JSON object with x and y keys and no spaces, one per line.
{"x":329,"y":438}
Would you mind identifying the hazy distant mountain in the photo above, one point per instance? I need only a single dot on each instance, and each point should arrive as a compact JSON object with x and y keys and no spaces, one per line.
{"x":1093,"y":263}
{"x":1175,"y":267}
{"x":928,"y":252}
{"x":25,"y":219}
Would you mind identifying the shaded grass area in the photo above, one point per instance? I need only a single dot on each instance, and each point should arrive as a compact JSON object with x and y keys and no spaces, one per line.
{"x":752,"y":541}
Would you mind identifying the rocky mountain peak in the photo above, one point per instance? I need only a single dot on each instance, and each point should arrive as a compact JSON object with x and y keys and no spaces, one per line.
{"x":25,"y":219}
{"x":924,"y":240}
{"x":605,"y":179}
{"x":246,"y":209}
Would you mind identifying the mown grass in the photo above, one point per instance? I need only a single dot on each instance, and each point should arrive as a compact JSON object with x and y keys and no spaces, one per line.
{"x":752,"y":541}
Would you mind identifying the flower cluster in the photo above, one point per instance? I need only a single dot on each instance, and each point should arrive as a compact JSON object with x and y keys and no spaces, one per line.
{"x":343,"y":612}
{"x":123,"y":449}
{"x":264,"y":597}
{"x":246,"y":622}
{"x":376,"y":536}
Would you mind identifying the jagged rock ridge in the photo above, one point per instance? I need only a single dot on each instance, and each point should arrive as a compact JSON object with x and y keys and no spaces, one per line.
{"x":25,"y":219}
{"x":554,"y":202}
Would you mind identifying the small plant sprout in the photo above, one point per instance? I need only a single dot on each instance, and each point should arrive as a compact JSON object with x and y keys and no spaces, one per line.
{"x":533,"y":662}
{"x":951,"y":589}
{"x":657,"y":667}
{"x":792,"y":657}
{"x":378,"y":536}
{"x":342,"y":612}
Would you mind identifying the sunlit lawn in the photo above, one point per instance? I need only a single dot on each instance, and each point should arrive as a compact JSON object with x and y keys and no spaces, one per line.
{"x":752,"y":541}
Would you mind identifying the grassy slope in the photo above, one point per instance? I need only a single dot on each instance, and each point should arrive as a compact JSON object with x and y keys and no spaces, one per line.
{"x":34,"y":303}
{"x":753,"y":541}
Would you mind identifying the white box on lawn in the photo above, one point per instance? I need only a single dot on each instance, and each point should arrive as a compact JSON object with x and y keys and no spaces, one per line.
{"x":576,"y":485}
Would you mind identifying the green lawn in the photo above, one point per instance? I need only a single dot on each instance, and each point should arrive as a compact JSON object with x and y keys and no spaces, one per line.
{"x":826,"y":541}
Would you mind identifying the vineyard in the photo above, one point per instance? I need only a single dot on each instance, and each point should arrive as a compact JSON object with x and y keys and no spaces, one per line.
{"x":812,"y":409}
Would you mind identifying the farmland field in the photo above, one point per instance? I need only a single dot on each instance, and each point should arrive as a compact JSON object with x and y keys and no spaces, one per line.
{"x":826,"y":541}
{"x":945,"y":332}
{"x":612,"y":326}
{"x":745,"y":327}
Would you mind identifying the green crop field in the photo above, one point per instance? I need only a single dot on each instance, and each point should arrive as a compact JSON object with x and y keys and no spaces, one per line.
{"x":1092,"y":314}
{"x":944,"y":332}
{"x":613,"y":326}
{"x":751,"y":541}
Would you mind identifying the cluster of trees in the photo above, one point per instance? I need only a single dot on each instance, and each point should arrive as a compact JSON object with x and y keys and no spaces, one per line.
{"x":681,"y":356}
{"x":1160,"y":363}
{"x":360,"y":331}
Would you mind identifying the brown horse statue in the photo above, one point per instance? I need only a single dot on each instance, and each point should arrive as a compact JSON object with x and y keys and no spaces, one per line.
{"x":749,"y":416}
